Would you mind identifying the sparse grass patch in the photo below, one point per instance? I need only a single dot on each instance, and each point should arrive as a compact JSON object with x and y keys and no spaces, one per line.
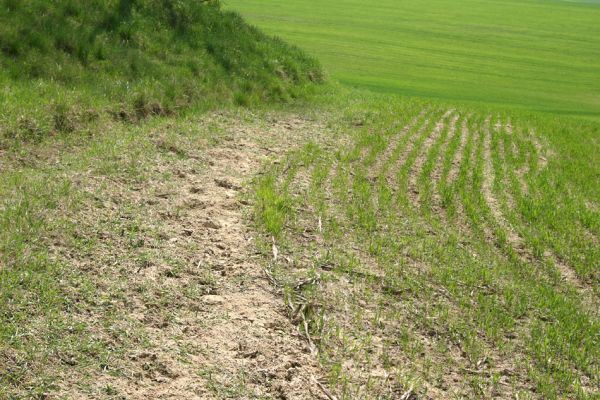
{"x":427,"y":274}
{"x":71,"y":233}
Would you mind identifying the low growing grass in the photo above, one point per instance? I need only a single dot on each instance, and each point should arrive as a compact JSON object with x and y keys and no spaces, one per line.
{"x":450,"y":252}
{"x":71,"y":234}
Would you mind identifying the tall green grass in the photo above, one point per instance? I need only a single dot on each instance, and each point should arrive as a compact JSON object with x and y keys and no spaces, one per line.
{"x":66,"y":63}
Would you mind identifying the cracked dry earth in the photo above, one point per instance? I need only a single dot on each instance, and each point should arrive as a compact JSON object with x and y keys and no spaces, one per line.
{"x":210,"y":324}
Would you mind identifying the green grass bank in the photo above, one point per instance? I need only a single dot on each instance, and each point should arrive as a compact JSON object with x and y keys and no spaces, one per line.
{"x":65,"y":64}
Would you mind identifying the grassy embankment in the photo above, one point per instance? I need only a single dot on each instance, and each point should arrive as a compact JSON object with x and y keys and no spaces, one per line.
{"x":80,"y":81}
{"x":67,"y":64}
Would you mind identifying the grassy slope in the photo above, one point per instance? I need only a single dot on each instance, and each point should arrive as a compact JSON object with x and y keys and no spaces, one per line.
{"x":539,"y":55}
{"x":64,"y":64}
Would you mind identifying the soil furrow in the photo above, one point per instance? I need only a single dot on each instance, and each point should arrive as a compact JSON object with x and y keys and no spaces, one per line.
{"x":504,"y":160}
{"x":422,"y":155}
{"x":455,"y":167}
{"x":513,"y":239}
{"x":542,"y":160}
{"x":472,"y":187}
{"x":402,"y":158}
{"x":463,"y":179}
{"x":492,"y":202}
{"x":521,"y":174}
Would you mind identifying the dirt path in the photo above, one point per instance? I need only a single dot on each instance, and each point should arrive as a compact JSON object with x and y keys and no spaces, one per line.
{"x":213,"y":325}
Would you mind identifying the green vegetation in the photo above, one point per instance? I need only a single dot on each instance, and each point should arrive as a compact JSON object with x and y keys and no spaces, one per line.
{"x":80,"y":80}
{"x":533,"y":54}
{"x":440,"y":244}
{"x":64,"y":64}
{"x":451,"y":252}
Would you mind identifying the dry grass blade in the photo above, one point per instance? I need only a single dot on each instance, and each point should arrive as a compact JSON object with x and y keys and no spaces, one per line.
{"x":323,"y":389}
{"x":275,"y":250}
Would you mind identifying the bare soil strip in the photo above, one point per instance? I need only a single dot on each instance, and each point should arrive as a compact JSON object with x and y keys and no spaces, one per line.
{"x":464,"y":134}
{"x":417,"y":167}
{"x":590,"y":236}
{"x":510,"y":200}
{"x":493,"y":204}
{"x":224,"y":333}
{"x":470,"y":184}
{"x":463,"y":223}
{"x":524,"y":170}
{"x":542,"y":160}
{"x":509,"y":127}
{"x":521,"y":174}
{"x":567,"y":272}
{"x":391,"y":175}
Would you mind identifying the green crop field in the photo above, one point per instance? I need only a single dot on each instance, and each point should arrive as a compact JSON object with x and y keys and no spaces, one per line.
{"x":541,"y":55}
{"x":448,"y":252}
{"x":446,"y":239}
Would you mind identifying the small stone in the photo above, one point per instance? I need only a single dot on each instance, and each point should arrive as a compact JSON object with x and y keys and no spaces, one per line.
{"x":213,"y":299}
{"x":212,"y":224}
{"x":226,"y":184}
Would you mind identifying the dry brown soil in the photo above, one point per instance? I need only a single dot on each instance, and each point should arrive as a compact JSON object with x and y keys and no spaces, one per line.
{"x":209,"y":322}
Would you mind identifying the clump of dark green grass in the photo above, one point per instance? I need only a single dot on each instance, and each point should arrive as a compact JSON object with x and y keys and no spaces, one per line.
{"x":65,"y":63}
